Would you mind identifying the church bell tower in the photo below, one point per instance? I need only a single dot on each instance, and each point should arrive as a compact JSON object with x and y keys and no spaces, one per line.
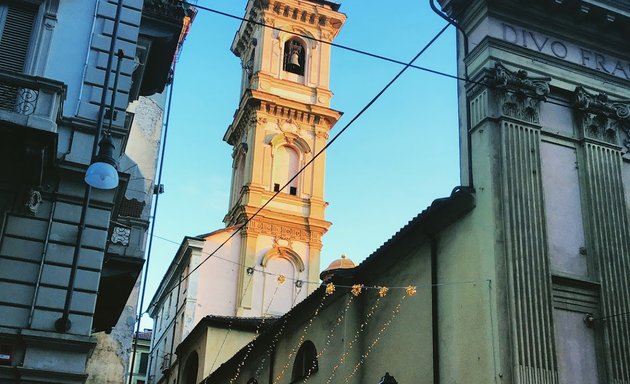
{"x":282,"y":122}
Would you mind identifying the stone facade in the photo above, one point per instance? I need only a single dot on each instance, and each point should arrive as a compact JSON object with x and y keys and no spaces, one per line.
{"x":54,"y":297}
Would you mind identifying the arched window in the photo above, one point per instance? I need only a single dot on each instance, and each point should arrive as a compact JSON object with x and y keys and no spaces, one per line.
{"x":305,"y":362}
{"x":190,"y":369}
{"x":285,"y":166}
{"x":294,"y":56}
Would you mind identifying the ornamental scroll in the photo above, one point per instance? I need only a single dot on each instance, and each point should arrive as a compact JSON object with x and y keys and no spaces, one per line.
{"x":602,"y":119}
{"x":518,"y":94}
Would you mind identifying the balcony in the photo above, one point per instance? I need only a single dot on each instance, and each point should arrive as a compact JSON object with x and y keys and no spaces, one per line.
{"x":30,"y":101}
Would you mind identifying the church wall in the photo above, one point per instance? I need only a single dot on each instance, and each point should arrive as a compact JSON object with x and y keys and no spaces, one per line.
{"x":398,"y":329}
{"x":216,"y":292}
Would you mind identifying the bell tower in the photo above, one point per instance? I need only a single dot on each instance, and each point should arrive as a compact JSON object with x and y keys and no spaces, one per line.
{"x":282,"y":121}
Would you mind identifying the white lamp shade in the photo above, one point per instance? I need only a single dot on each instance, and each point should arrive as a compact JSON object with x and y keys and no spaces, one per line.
{"x":102,"y":176}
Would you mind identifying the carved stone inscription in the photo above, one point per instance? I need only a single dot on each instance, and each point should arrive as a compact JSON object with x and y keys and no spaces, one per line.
{"x":560,"y":49}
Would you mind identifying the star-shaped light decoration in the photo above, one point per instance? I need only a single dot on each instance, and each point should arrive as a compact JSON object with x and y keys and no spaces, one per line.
{"x":356,"y":289}
{"x":330,"y":288}
{"x":281,"y":279}
{"x":382,"y":291}
{"x":410,"y":290}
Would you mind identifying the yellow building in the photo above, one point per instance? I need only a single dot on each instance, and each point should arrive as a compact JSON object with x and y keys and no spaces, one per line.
{"x":280,"y":126}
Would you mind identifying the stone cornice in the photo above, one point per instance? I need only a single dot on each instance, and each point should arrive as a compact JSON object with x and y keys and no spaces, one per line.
{"x":602,"y":119}
{"x":305,"y":14}
{"x":256,"y":101}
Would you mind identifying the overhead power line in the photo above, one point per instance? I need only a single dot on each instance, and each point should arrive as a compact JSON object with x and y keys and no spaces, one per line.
{"x":319,"y":153}
{"x":332,"y":44}
{"x":550,"y":99}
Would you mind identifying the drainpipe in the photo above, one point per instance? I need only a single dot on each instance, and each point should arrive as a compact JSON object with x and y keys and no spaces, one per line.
{"x":454,"y":23}
{"x":179,"y":286}
{"x":434,"y":309}
{"x":41,"y":265}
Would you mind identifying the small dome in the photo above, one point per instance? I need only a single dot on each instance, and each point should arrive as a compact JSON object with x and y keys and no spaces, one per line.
{"x":342,"y":263}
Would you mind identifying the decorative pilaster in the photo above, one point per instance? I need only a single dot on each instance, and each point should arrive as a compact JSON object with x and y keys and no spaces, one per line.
{"x":517,"y":98}
{"x":603,"y":125}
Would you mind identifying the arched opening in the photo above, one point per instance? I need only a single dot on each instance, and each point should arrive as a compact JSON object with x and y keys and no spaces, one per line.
{"x":285,"y":166}
{"x":278,"y":296}
{"x":294,"y":56}
{"x":190,"y":369}
{"x":305,"y":362}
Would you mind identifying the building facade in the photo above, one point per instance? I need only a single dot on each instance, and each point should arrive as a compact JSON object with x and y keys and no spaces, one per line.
{"x":69,"y":258}
{"x":141,"y":362}
{"x":522,"y":275}
{"x":281,"y":124}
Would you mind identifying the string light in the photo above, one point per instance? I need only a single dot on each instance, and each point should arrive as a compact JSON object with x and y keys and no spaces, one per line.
{"x":251,"y":270}
{"x":301,"y":339}
{"x":230,"y":325}
{"x":356,"y":289}
{"x":329,"y":337}
{"x":379,"y":334}
{"x":250,"y":346}
{"x":356,"y":336}
{"x":276,"y":337}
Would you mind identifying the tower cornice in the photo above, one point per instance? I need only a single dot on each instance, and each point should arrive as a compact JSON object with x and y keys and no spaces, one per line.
{"x":319,"y":15}
{"x":257,"y":101}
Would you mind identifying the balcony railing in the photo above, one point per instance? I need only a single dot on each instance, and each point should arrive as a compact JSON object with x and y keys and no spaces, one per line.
{"x":31,"y":101}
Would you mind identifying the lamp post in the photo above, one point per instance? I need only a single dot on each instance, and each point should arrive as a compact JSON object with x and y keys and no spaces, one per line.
{"x":387,"y":379}
{"x":94,"y":176}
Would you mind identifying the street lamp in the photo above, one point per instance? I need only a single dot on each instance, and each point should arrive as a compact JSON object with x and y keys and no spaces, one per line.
{"x":387,"y":379}
{"x":102,"y":172}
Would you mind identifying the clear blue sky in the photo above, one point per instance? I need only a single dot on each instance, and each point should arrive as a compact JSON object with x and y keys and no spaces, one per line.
{"x":386,"y":168}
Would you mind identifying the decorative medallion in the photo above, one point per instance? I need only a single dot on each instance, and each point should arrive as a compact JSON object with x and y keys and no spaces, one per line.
{"x":121,"y":235}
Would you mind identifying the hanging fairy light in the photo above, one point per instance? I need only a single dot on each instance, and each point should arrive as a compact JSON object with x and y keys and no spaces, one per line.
{"x":329,"y":337}
{"x":379,"y":334}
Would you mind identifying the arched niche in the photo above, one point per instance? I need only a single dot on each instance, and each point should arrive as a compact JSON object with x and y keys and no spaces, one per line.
{"x":285,"y":253}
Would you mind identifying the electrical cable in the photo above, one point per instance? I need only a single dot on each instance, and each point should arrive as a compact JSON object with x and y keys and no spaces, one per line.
{"x":321,"y":151}
{"x":611,"y":316}
{"x":332,"y":44}
{"x":560,"y":102}
{"x":140,"y":301}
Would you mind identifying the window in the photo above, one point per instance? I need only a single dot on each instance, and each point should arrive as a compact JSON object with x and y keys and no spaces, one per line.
{"x":294,"y":57}
{"x":305,"y":362}
{"x":144,"y":362}
{"x":16,"y":27}
{"x":285,"y":166}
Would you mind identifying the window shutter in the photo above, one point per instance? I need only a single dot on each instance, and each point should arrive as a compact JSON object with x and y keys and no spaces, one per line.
{"x":14,"y":43}
{"x":16,"y":37}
